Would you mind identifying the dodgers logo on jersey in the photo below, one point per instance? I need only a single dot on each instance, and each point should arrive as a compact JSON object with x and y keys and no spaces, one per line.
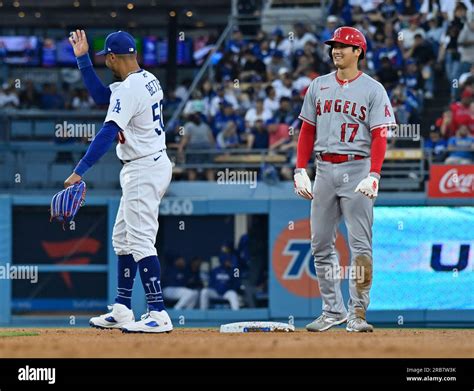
{"x":117,"y":108}
{"x":293,"y":263}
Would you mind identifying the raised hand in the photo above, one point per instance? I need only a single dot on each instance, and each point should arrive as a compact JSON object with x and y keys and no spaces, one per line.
{"x":79,"y":43}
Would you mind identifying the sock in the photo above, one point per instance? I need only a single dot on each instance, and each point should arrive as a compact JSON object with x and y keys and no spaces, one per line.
{"x":126,"y":271}
{"x":150,"y":276}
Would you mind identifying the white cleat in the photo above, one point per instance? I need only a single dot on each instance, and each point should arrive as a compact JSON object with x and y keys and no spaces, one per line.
{"x":324,"y":322}
{"x":119,"y":316}
{"x":359,"y":325}
{"x":151,"y":322}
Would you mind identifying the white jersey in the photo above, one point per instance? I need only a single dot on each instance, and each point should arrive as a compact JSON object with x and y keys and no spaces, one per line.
{"x":136,"y":106}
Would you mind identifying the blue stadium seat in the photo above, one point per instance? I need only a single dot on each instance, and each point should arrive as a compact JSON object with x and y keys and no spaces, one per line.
{"x":21,"y":129}
{"x":39,"y":157}
{"x":36,"y":174}
{"x":6,"y":174}
{"x":45,"y":129}
{"x":59,"y":172}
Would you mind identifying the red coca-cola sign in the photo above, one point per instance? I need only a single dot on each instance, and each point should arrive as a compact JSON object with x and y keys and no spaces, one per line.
{"x":448,"y":181}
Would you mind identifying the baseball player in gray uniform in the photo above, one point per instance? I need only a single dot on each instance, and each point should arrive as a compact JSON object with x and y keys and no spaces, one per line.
{"x":345,"y":117}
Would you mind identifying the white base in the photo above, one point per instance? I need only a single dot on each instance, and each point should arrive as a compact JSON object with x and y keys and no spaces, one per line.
{"x":251,"y":327}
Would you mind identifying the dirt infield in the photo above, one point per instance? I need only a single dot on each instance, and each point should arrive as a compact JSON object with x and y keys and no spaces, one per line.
{"x":182,"y":342}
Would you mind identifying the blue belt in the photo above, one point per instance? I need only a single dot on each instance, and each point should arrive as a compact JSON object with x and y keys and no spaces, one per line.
{"x":128,"y":161}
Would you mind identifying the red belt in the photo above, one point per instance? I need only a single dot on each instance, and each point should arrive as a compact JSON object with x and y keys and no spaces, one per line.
{"x":337,"y":158}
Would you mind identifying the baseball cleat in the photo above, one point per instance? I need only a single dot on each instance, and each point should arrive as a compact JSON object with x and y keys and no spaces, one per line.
{"x":119,"y":316}
{"x":151,"y":322}
{"x":324,"y":323}
{"x":359,"y":325}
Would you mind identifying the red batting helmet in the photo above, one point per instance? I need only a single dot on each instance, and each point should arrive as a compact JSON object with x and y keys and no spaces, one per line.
{"x":349,"y":36}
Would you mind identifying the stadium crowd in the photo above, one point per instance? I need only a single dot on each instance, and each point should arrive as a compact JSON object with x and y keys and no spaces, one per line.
{"x":253,"y":98}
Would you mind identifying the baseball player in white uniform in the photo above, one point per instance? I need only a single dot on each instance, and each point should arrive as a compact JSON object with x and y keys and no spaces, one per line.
{"x":134,"y":118}
{"x":345,"y":116}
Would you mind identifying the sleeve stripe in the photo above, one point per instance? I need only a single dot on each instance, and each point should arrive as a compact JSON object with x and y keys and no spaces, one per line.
{"x":307,"y":120}
{"x":386,"y":124}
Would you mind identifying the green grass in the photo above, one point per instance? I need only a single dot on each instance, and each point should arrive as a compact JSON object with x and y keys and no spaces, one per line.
{"x":18,"y":334}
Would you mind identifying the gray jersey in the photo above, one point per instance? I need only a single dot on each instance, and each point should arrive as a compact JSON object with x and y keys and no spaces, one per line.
{"x":345,"y":113}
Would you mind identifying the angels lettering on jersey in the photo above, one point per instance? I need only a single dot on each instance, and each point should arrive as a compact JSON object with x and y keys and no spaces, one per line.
{"x":341,"y":106}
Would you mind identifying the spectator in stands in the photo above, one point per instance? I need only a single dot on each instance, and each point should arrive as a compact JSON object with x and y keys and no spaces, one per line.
{"x":278,"y":134}
{"x":173,"y":134}
{"x":446,"y":124}
{"x":82,"y":100}
{"x":224,"y":283}
{"x":285,"y":114}
{"x":280,"y":43}
{"x":434,"y":33}
{"x":436,"y":146}
{"x":258,"y":137}
{"x":343,"y":9}
{"x":263,"y":52}
{"x":284,"y":85}
{"x":306,"y":76}
{"x":449,"y":53}
{"x":461,"y":147}
{"x":386,"y":13}
{"x":225,"y":115}
{"x":252,"y":67}
{"x":412,"y":77}
{"x":271,"y":102}
{"x":332,"y":23}
{"x":50,"y":98}
{"x":301,"y":37}
{"x":405,"y":105}
{"x":197,"y":136}
{"x":391,"y":51}
{"x":171,"y":102}
{"x":277,"y":62}
{"x":183,"y":88}
{"x":467,"y":118}
{"x":387,"y":75}
{"x":255,"y":113}
{"x":177,"y":277}
{"x":466,"y":47}
{"x":237,"y":43}
{"x":422,"y":52}
{"x":408,"y":34}
{"x":226,"y":68}
{"x":467,"y":78}
{"x":408,"y":9}
{"x":196,"y":104}
{"x":29,"y":97}
{"x":222,"y":96}
{"x":461,"y":113}
{"x":8,"y":96}
{"x":470,"y":123}
{"x":228,"y":137}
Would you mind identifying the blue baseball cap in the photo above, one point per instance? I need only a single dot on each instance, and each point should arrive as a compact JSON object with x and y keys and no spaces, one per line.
{"x":119,"y":42}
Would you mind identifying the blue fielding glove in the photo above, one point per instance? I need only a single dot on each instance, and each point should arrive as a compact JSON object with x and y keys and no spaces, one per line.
{"x":66,"y":203}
